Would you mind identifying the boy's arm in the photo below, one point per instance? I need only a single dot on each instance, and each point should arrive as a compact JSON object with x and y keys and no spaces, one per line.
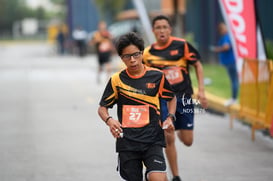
{"x":168,"y":123}
{"x":114,"y":125}
{"x":201,"y":88}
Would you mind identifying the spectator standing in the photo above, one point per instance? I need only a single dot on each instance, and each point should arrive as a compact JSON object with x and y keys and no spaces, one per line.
{"x":174,"y":56}
{"x":60,"y":41}
{"x":80,"y":36}
{"x":227,"y":59}
{"x":138,"y":130}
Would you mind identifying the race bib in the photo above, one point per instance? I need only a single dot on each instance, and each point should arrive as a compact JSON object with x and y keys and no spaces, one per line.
{"x":135,"y":116}
{"x":173,"y":75}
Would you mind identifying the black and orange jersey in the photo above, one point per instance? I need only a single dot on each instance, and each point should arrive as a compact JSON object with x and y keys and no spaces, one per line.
{"x":138,"y":108}
{"x":174,"y":59}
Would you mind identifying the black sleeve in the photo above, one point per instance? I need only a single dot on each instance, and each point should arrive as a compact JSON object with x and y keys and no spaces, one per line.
{"x":108,"y":97}
{"x":194,"y":54}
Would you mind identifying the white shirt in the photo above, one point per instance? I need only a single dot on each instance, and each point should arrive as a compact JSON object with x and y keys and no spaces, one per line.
{"x":79,"y":34}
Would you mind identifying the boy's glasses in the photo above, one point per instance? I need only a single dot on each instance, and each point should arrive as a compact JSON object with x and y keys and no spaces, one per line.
{"x":127,"y":57}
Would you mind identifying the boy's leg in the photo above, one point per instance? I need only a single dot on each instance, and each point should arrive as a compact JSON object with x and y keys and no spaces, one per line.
{"x":170,"y":149}
{"x":155,"y":164}
{"x":185,"y":136}
{"x":171,"y":153}
{"x":158,"y":176}
{"x":184,"y":123}
{"x":130,"y":166}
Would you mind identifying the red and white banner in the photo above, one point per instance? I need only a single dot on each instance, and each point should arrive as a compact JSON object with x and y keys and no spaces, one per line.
{"x":241,"y":19}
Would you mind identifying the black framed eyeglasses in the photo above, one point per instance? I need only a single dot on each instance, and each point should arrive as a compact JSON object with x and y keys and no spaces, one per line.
{"x":127,"y":57}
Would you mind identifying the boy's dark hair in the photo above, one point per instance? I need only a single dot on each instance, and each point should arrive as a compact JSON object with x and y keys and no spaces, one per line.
{"x":127,"y":39}
{"x":161,"y":17}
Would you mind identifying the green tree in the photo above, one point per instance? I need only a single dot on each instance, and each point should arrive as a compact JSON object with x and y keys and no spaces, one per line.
{"x":63,"y":9}
{"x":110,"y":8}
{"x":11,"y":11}
{"x":59,"y":2}
{"x":40,"y":13}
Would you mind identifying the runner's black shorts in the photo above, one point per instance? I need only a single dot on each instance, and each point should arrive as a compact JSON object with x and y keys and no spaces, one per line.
{"x":131,"y":163}
{"x":104,"y":57}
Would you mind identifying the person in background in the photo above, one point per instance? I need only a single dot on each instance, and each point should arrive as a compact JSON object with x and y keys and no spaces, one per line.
{"x":80,"y":36}
{"x":174,"y":56}
{"x":60,"y":38}
{"x":227,"y":59}
{"x":102,"y":40}
{"x":138,"y":130}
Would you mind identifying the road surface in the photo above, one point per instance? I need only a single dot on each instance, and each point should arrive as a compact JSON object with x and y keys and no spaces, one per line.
{"x":50,"y":130}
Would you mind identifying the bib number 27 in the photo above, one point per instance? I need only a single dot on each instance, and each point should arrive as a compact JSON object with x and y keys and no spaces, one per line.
{"x":135,"y":116}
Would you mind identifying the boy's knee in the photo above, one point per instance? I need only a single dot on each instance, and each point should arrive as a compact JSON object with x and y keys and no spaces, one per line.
{"x":186,"y":139}
{"x":170,"y":138}
{"x":188,"y":142}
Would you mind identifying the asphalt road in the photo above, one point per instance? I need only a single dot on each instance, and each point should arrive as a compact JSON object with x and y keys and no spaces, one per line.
{"x":50,"y":130}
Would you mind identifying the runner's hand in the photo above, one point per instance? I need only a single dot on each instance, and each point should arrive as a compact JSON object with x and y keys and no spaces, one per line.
{"x":115,"y":127}
{"x":168,"y":125}
{"x":202,"y":98}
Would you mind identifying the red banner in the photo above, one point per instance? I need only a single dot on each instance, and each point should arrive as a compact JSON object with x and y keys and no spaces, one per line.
{"x":242,"y":22}
{"x":240,"y":17}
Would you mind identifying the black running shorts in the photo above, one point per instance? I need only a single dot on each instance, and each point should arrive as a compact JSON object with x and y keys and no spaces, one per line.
{"x":131,"y":163}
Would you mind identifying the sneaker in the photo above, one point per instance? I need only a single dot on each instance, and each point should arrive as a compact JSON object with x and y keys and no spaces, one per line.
{"x":176,"y":178}
{"x":230,"y":102}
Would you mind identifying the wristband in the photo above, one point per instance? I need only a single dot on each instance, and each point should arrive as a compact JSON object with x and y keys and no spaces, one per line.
{"x":172,"y":116}
{"x":107,"y":119}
